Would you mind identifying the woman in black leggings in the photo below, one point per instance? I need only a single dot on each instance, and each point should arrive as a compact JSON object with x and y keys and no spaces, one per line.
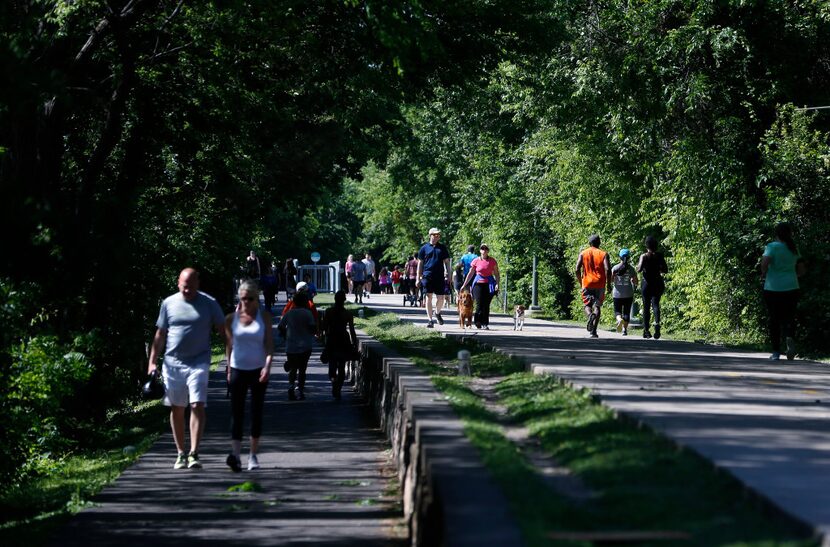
{"x":341,"y":341}
{"x":249,"y":344}
{"x":652,"y":266}
{"x":781,"y":266}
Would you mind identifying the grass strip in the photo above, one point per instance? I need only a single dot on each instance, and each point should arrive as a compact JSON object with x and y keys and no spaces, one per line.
{"x":61,"y":485}
{"x":644,"y":482}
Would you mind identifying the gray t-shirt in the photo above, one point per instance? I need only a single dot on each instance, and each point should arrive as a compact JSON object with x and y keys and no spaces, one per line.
{"x":188,"y":326}
{"x":300,"y":328}
{"x":622,"y":274}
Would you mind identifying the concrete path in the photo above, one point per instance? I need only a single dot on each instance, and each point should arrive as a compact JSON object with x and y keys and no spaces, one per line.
{"x":326,"y":480}
{"x":767,"y":422}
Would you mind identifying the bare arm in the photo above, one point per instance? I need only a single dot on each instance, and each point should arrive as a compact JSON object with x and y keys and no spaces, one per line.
{"x":765,"y":261}
{"x":607,"y":264}
{"x":640,"y":263}
{"x":447,"y":268}
{"x":578,"y":269}
{"x":496,"y":274}
{"x":420,"y":269}
{"x":468,"y":279}
{"x":157,"y":349}
{"x":269,"y":347}
{"x":352,"y":332}
{"x":228,"y":344}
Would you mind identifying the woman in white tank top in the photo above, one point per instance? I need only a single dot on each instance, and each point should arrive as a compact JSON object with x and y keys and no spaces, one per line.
{"x":249,"y":345}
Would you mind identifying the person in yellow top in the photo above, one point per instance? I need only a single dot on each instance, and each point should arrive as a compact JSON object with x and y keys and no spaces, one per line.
{"x":593,"y":272}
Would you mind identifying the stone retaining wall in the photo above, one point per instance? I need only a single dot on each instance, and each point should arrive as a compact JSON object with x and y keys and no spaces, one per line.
{"x":449,"y":497}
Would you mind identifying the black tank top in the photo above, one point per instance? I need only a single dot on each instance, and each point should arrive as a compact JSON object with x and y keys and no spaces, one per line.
{"x":653,"y":265}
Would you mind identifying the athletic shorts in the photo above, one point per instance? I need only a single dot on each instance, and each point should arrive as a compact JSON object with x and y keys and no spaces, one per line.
{"x":185,"y":385}
{"x":593,"y":297}
{"x":622,"y":306}
{"x":433,"y":285}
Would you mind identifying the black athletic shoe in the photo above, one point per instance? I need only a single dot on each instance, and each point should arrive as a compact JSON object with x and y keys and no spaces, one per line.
{"x":439,"y":318}
{"x":234,"y":463}
{"x":656,"y":332}
{"x":594,"y":335}
{"x":646,"y":334}
{"x":291,"y":395}
{"x":590,"y":327}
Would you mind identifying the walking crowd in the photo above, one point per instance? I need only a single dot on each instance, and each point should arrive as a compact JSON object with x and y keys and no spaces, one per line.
{"x":187,"y":318}
{"x":183,"y":342}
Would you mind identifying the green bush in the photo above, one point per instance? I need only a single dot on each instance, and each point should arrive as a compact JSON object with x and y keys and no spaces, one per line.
{"x":42,"y":377}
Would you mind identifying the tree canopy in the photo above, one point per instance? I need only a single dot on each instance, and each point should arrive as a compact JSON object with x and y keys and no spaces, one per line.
{"x":141,"y":136}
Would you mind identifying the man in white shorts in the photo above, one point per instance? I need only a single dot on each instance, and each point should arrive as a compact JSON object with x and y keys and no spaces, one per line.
{"x":183,"y":333}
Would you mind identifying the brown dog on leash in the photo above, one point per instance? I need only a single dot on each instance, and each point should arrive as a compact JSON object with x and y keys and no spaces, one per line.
{"x":465,"y":309}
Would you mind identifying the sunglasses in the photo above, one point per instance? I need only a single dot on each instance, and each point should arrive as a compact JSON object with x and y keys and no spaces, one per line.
{"x":247,"y":298}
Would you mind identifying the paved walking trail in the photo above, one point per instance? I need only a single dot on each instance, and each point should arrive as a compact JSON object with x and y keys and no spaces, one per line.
{"x":767,"y":422}
{"x":325,"y":480}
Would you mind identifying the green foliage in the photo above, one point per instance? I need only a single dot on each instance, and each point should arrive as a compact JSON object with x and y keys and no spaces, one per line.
{"x":667,"y":118}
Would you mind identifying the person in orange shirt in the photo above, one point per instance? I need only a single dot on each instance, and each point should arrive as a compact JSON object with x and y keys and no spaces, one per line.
{"x":593,"y":272}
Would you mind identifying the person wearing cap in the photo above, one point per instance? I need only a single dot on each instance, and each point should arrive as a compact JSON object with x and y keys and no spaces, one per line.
{"x":484,"y":277}
{"x":434,"y":273}
{"x":302,"y":287}
{"x":299,"y":328}
{"x":593,"y":272}
{"x":625,"y":279}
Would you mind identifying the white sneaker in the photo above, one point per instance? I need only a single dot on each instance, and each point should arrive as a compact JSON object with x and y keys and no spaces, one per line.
{"x":253,"y":462}
{"x":775,"y":356}
{"x":619,"y":324}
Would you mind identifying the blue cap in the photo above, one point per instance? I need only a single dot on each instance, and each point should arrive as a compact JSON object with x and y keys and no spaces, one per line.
{"x":624,"y":252}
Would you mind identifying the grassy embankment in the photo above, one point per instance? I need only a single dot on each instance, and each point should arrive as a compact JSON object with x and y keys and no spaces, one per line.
{"x":61,"y":485}
{"x":643,"y":481}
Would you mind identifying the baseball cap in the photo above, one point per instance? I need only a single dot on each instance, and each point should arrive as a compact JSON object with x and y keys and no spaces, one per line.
{"x":434,"y":231}
{"x":302,"y":285}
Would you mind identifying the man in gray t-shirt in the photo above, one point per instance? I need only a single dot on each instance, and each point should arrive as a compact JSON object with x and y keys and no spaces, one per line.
{"x":183,"y":336}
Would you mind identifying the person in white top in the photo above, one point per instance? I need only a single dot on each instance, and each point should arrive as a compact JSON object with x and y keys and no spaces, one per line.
{"x":249,"y":345}
{"x":370,"y":274}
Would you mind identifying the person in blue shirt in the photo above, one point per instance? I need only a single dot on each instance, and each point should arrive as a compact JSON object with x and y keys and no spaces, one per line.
{"x":781,"y":266}
{"x":311,"y":288}
{"x":434,"y":273}
{"x":467,"y":259}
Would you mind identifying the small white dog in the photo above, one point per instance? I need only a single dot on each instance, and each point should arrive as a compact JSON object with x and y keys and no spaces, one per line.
{"x":519,"y":317}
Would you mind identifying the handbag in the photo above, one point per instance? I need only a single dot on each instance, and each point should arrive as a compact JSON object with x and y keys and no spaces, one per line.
{"x":153,"y":388}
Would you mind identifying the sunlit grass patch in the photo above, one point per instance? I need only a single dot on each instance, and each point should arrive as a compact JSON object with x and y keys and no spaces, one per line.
{"x":642,"y":481}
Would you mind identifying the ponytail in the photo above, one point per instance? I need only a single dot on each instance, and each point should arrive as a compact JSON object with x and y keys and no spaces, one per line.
{"x":784,"y":233}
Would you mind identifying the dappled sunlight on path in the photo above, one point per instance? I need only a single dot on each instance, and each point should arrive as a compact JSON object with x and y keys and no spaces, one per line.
{"x":326,"y":479}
